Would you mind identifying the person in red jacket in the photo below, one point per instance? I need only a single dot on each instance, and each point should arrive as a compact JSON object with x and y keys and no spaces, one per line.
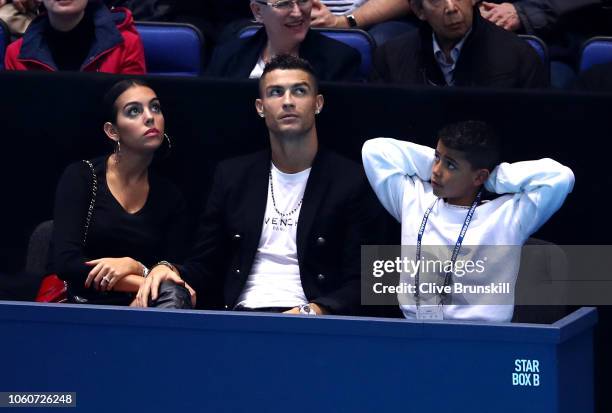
{"x":77,"y":35}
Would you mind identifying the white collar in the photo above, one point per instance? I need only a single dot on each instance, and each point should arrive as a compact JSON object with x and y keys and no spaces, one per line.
{"x":455,"y":51}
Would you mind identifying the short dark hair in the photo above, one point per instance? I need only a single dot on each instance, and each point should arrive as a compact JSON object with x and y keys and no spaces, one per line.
{"x":476,"y":139}
{"x":290,"y":62}
{"x":114,"y":92}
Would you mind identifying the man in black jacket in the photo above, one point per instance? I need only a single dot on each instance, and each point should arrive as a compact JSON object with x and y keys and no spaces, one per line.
{"x":282,"y":228}
{"x":456,"y":47}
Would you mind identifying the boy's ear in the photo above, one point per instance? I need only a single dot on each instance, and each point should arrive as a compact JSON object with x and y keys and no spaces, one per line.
{"x":481,"y":177}
{"x":256,"y":10}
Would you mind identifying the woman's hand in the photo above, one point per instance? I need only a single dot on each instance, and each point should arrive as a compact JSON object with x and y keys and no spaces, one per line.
{"x":107,"y":272}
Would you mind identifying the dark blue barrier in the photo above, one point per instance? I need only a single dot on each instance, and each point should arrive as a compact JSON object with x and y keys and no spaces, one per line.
{"x":121,"y":359}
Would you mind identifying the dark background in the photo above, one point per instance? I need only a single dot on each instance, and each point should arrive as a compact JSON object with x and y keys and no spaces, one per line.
{"x":50,"y":120}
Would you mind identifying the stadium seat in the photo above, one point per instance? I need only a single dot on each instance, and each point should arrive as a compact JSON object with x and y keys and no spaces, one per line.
{"x":538,"y":45}
{"x":357,"y":39}
{"x":38,"y":248}
{"x":5,"y":39}
{"x":172,"y":49}
{"x":595,"y":51}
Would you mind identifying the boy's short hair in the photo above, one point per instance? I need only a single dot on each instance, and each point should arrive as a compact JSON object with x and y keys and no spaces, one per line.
{"x":290,"y":62}
{"x":476,"y":139}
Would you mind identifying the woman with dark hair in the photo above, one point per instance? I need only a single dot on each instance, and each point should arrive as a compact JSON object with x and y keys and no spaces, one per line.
{"x":79,"y":35}
{"x":114,"y":217}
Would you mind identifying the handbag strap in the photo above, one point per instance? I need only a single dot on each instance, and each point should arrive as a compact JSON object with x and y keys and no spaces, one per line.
{"x":92,"y":203}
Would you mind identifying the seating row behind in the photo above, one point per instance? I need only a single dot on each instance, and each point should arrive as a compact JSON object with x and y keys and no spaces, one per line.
{"x":176,"y":49}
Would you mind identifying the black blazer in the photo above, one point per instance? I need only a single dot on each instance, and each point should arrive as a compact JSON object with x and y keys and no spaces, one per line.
{"x":491,"y":57}
{"x":339,"y":213}
{"x":331,"y":59}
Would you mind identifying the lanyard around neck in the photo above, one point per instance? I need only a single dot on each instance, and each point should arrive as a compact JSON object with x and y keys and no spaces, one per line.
{"x":466,"y":224}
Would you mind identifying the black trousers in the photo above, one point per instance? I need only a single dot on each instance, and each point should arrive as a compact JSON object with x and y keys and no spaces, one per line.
{"x":170,"y":295}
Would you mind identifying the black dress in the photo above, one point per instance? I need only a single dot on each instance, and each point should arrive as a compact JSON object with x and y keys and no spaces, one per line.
{"x":157,"y":231}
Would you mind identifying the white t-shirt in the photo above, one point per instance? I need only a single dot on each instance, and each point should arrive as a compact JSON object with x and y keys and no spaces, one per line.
{"x":274,"y":280}
{"x":342,"y":6}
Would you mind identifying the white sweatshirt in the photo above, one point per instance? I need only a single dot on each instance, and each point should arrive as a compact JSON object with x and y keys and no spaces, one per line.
{"x":400,"y":172}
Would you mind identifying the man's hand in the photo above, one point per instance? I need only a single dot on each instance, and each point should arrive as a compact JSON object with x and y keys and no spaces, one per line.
{"x":192,"y":294}
{"x":25,"y":6}
{"x":107,"y":271}
{"x":317,"y":309}
{"x":150,"y":287}
{"x":322,"y":17}
{"x":503,"y":15}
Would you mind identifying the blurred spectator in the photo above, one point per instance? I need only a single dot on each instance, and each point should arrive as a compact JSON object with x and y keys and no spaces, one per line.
{"x":563,"y":24}
{"x":457,"y":47}
{"x":79,"y":36}
{"x":18,"y":14}
{"x":384,"y":19}
{"x":286,"y":31}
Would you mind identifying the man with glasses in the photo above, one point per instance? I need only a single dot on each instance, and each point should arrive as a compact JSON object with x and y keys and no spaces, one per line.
{"x":286,"y":31}
{"x":457,"y":47}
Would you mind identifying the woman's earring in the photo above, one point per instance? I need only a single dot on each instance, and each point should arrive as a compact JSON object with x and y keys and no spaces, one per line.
{"x":262,"y":115}
{"x":168,"y":151}
{"x":117,"y":151}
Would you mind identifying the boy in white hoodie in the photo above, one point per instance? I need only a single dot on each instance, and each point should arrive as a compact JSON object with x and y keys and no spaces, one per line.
{"x":436,"y":195}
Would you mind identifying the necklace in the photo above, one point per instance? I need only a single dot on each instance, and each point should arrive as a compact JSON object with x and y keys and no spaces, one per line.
{"x":282,"y":214}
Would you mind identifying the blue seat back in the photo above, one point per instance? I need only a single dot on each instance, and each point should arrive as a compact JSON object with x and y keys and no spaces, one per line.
{"x":539,"y":46}
{"x":595,"y":51}
{"x":172,"y":49}
{"x":5,"y":39}
{"x":355,"y":38}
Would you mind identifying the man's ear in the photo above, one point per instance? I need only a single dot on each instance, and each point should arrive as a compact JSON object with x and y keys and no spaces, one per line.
{"x":319,"y":104}
{"x":259,"y":107}
{"x":256,"y":10}
{"x":481,"y":177}
{"x":111,"y":131}
{"x":418,"y":9}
